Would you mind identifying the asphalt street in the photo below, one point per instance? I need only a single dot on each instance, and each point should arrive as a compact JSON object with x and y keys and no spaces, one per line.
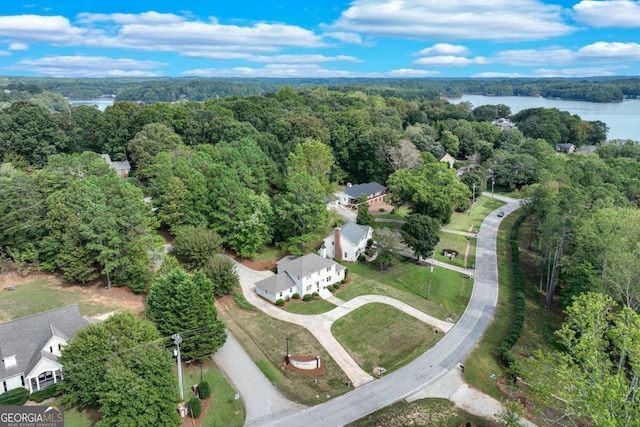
{"x":448,"y":353}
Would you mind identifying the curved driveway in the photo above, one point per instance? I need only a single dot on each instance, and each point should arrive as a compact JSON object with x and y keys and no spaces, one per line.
{"x":452,"y":349}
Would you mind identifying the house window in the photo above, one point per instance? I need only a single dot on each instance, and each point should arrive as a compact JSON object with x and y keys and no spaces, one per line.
{"x":21,"y":379}
{"x":345,"y":255}
{"x":317,"y":284}
{"x":59,"y":347}
{"x":50,"y":349}
{"x":308,"y":287}
{"x":281,"y":294}
{"x":329,"y":279}
{"x":290,"y":290}
{"x":4,"y":385}
{"x":328,"y":268}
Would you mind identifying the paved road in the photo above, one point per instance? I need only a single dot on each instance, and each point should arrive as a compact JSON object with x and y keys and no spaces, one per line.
{"x":265,"y":398}
{"x":452,"y":349}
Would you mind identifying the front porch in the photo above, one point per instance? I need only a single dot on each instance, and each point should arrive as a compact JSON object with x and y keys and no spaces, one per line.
{"x":44,"y":380}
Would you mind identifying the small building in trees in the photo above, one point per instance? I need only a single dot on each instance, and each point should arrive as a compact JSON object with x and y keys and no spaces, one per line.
{"x":350,"y":195}
{"x":565,"y":148}
{"x":346,"y":243}
{"x":30,"y":347}
{"x":449,"y":159}
{"x":122,"y":168}
{"x":300,"y":275}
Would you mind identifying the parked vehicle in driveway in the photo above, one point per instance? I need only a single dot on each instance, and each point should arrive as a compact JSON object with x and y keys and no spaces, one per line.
{"x":500,"y":214}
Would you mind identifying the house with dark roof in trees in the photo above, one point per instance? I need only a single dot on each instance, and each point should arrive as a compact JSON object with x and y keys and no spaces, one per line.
{"x":122,"y":168}
{"x":300,"y":275}
{"x":30,"y":347}
{"x":347,"y":242}
{"x":350,"y":195}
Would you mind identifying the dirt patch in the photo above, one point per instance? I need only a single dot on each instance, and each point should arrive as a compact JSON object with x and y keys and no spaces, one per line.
{"x":374,"y":208}
{"x":12,"y":278}
{"x":269,"y":264}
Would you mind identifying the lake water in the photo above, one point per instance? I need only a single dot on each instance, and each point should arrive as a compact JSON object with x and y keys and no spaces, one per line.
{"x":101,"y":103}
{"x":623,"y":118}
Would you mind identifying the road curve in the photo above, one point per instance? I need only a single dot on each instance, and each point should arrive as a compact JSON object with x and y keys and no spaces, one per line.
{"x":452,"y":349}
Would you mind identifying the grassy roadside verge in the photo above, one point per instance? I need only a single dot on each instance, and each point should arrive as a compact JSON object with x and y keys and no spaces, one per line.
{"x":483,"y":367}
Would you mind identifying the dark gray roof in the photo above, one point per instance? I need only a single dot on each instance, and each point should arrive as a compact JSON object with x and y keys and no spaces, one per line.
{"x":25,"y":337}
{"x":354,"y":232}
{"x":304,"y":265}
{"x":116,"y":165}
{"x":355,"y":191}
{"x":277,"y":283}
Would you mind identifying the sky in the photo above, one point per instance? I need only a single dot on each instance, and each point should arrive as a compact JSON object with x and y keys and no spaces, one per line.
{"x":322,"y":38}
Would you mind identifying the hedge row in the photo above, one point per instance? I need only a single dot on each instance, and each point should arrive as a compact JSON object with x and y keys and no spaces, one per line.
{"x":515,"y":330}
{"x":48,"y":392}
{"x":17,"y":396}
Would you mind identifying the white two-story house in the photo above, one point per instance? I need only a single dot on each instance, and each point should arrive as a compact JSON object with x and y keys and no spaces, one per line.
{"x":346,"y":243}
{"x":302,"y":275}
{"x":30,"y":347}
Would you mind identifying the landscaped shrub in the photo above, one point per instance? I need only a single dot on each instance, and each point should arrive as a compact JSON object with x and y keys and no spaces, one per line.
{"x":361,"y":258}
{"x":295,"y":296}
{"x":315,"y":294}
{"x":195,"y":407}
{"x":346,"y":273}
{"x":307,"y":297}
{"x":48,"y":392}
{"x":17,"y":396}
{"x":204,"y":390}
{"x":279,"y":302}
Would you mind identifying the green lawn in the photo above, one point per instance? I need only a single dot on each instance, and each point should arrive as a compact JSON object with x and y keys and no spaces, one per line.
{"x":42,"y":295}
{"x":264,"y":339}
{"x":424,"y":412}
{"x":463,"y":221}
{"x":449,"y":292}
{"x":459,"y":243}
{"x":400,"y":213}
{"x":381,"y":335}
{"x":224,"y":410}
{"x":308,"y":307}
{"x":267,"y":254}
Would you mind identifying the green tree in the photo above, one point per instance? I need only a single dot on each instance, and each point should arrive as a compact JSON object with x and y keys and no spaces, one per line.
{"x":152,"y":139}
{"x":196,"y":244}
{"x":420,"y":233}
{"x":223,"y":274}
{"x":388,"y":247}
{"x":596,"y":378}
{"x":86,"y":374}
{"x":364,"y":217}
{"x":184,"y":304}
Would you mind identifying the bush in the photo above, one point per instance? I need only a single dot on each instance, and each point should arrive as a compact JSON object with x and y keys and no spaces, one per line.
{"x":48,"y":392}
{"x":195,"y":407}
{"x":295,"y":296}
{"x":361,"y":258}
{"x":346,"y":273}
{"x":315,"y":294}
{"x":17,"y":396}
{"x":204,"y":390}
{"x":279,"y":302}
{"x":307,"y":297}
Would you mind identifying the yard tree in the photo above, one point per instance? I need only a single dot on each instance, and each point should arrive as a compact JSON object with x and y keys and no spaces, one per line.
{"x":152,"y":139}
{"x":595,"y":378}
{"x":255,"y":230}
{"x":389,"y":246}
{"x":420,"y":233}
{"x":86,"y":376}
{"x":184,"y":304}
{"x":196,"y":244}
{"x":431,"y":189}
{"x":364,"y":217}
{"x":140,"y":389}
{"x":222,"y":272}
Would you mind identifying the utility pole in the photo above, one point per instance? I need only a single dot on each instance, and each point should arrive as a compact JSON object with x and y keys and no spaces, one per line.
{"x":433,"y":254}
{"x":177,"y":339}
{"x":287,"y":357}
{"x":493,"y":182}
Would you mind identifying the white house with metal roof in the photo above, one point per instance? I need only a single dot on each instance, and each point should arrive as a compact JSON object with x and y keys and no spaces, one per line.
{"x":346,"y":243}
{"x":302,"y":275}
{"x":30,"y":347}
{"x":350,"y":195}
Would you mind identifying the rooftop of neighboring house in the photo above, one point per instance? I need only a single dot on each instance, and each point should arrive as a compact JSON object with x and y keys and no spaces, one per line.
{"x":354,"y":232}
{"x":369,"y":189}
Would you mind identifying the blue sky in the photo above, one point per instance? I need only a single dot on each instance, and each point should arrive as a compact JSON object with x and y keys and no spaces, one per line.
{"x":327,"y":38}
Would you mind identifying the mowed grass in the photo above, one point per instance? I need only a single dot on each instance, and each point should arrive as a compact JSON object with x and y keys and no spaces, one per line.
{"x":73,"y":417}
{"x":484,"y":361}
{"x":458,"y":243}
{"x":381,"y":335}
{"x":264,"y":339}
{"x":423,"y":412}
{"x":462,"y":221}
{"x":308,"y":307}
{"x":223,"y":410}
{"x":449,"y":291}
{"x":42,"y":295}
{"x":399,"y":213}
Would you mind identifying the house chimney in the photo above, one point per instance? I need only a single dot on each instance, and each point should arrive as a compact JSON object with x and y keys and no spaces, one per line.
{"x":338,"y":244}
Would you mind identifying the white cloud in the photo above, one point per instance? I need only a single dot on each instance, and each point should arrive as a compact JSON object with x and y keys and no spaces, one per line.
{"x":409,"y":72}
{"x":497,"y":74}
{"x":574,"y":72}
{"x":274,"y":70}
{"x":88,"y":66}
{"x":344,"y":36}
{"x":500,"y":20}
{"x":604,"y":52}
{"x":4,"y":53}
{"x":443,"y":49}
{"x":287,"y":59}
{"x":18,"y":46}
{"x":614,"y":13}
{"x":150,"y":17}
{"x":32,"y":28}
{"x":444,"y":60}
{"x":528,"y":57}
